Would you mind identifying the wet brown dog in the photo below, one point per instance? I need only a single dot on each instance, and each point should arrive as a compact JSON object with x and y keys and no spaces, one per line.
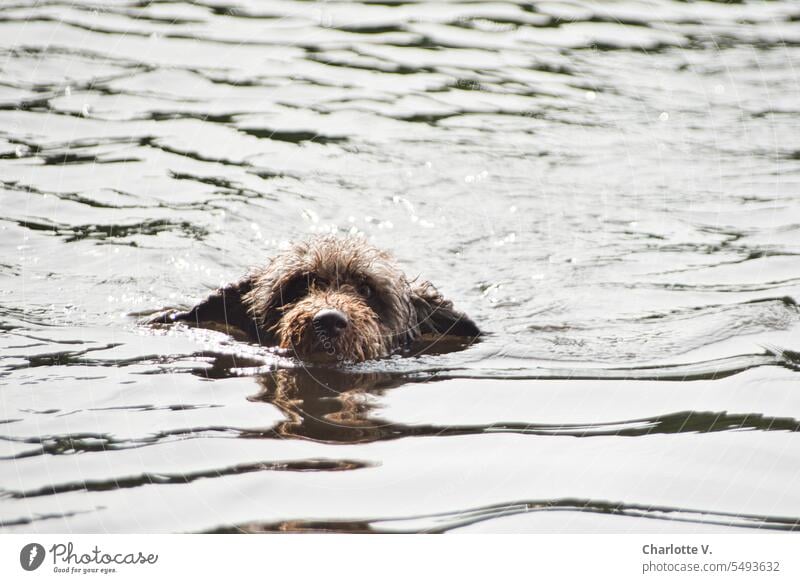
{"x":330,"y":299}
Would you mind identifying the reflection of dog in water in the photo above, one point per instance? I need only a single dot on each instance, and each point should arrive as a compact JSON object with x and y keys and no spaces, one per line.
{"x":327,"y":404}
{"x":330,"y":299}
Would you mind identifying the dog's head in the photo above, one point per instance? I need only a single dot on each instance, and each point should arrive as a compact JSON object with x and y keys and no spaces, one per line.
{"x":335,"y":299}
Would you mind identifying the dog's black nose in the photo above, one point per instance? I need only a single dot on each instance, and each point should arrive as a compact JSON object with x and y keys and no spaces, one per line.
{"x":331,"y":322}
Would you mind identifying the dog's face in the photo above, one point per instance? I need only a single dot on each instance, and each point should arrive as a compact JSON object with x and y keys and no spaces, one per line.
{"x":335,"y":299}
{"x":332,"y":299}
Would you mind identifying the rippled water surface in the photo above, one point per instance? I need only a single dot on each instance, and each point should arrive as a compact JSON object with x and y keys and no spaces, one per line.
{"x":610,"y":189}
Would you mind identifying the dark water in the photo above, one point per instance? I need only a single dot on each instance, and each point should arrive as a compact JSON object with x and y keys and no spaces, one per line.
{"x":610,"y":189}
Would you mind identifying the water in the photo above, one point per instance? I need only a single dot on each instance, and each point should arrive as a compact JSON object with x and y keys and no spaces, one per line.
{"x":609,"y":189}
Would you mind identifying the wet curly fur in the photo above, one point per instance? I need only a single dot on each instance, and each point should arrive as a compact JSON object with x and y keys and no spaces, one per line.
{"x":376,"y":310}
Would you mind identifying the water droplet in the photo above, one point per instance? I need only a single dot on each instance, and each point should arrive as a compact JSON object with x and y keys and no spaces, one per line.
{"x":591,"y":96}
{"x":663,"y":116}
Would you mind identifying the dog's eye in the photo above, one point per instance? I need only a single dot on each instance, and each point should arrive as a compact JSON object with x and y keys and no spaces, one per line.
{"x":317,"y":282}
{"x":294,"y":290}
{"x":365,"y":290}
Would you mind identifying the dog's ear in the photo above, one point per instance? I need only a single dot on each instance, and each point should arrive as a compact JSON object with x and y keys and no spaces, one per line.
{"x":436,"y":315}
{"x":224,"y":307}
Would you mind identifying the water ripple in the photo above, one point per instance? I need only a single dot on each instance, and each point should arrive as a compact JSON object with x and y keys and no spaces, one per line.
{"x":447,"y":521}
